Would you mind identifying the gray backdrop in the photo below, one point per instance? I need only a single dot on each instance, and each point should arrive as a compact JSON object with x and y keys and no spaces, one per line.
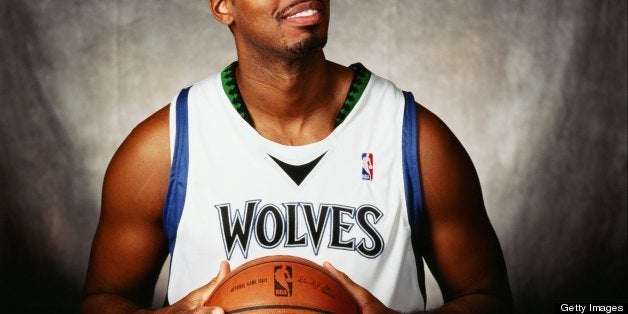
{"x":535,"y":90}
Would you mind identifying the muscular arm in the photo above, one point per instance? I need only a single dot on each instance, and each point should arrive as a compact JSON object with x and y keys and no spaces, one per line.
{"x":130,"y":246}
{"x":460,"y":245}
{"x":458,"y":241}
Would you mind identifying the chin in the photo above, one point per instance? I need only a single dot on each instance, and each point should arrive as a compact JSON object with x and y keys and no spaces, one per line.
{"x":308,"y":46}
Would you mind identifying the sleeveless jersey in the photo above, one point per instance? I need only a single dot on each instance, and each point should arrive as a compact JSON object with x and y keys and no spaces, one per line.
{"x":352,"y":199}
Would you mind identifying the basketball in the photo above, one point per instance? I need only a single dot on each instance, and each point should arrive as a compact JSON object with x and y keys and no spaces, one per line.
{"x":282,"y":284}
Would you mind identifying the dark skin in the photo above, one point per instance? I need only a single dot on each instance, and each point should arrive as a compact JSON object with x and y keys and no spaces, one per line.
{"x":293,"y":96}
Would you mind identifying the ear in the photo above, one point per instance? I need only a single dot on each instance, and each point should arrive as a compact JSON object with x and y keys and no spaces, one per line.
{"x":222,"y":11}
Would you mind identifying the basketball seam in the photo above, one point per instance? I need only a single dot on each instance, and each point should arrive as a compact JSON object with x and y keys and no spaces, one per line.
{"x":275,"y":307}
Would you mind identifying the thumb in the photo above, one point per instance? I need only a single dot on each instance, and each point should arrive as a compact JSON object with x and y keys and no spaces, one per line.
{"x":201,"y":295}
{"x":356,"y":291}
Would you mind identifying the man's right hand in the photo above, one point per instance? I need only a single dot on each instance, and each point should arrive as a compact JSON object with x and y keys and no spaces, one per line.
{"x":195,"y":301}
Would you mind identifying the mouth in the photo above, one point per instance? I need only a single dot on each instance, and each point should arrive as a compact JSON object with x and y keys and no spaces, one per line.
{"x":303,"y":13}
{"x":306,"y":13}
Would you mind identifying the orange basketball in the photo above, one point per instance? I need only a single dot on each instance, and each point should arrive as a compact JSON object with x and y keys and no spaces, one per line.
{"x":282,"y":284}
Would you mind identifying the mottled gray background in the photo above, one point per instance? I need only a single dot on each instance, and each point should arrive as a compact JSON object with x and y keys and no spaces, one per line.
{"x":535,"y":90}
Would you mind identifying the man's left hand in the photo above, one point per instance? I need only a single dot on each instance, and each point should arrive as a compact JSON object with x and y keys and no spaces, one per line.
{"x":367,"y":302}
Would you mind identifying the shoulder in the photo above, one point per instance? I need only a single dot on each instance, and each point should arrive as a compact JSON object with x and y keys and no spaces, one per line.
{"x":152,"y":133}
{"x":445,"y":166}
{"x":138,"y":172}
{"x":149,"y":141}
{"x":437,"y":143}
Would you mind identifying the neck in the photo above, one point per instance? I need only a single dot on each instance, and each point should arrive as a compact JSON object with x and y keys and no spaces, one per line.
{"x":285,"y":87}
{"x":292,"y":101}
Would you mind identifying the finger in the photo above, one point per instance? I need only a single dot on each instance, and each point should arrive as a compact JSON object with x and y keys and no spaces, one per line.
{"x":209,"y":310}
{"x":345,"y":280}
{"x":200,"y":295}
{"x":365,"y":300}
{"x":224,"y":270}
{"x":201,"y":310}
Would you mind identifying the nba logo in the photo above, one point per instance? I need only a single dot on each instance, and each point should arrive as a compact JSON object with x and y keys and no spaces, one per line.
{"x":283,"y":281}
{"x":367,"y":166}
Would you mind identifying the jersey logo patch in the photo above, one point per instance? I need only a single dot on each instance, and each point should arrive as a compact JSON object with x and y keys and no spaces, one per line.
{"x":367,"y":166}
{"x":298,"y":173}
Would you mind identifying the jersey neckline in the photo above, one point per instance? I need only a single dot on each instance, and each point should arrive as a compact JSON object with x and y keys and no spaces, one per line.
{"x":361,"y":77}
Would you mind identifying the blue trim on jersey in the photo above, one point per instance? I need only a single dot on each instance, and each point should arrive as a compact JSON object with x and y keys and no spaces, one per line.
{"x":412,"y":180}
{"x":177,"y":185}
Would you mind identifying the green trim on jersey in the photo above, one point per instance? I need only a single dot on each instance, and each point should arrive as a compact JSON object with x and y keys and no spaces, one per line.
{"x":230,"y":85}
{"x":360,"y":79}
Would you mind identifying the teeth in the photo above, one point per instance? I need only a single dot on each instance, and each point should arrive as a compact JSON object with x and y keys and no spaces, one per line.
{"x":309,"y":12}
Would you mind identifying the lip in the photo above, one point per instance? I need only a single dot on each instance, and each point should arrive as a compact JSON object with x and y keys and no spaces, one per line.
{"x":289,"y":14}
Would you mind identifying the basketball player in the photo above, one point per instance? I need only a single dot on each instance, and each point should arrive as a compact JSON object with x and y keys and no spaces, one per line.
{"x":267,"y":158}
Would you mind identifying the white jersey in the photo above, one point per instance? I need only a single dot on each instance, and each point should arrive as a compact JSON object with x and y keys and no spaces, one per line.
{"x":235,"y":195}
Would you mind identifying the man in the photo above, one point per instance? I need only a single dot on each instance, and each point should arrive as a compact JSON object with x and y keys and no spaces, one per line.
{"x":267,"y":158}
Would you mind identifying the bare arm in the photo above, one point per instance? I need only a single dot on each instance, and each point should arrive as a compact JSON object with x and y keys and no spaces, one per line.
{"x":130,"y":245}
{"x":459,"y":243}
